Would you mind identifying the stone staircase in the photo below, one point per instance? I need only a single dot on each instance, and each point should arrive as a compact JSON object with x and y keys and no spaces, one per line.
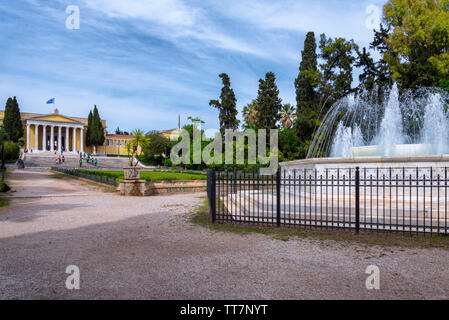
{"x":72,"y":161}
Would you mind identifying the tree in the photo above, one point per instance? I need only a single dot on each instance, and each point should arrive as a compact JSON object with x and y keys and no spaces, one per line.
{"x":368,"y":77}
{"x":157,"y":148}
{"x":418,"y":41}
{"x":338,"y":60}
{"x":138,"y":144}
{"x":12,"y":122}
{"x":287,"y":115}
{"x":95,"y":130}
{"x":383,"y":71}
{"x":306,"y":85}
{"x":195,"y":120}
{"x":250,"y":114}
{"x":268,"y":103}
{"x":89,"y":130}
{"x":444,"y":84}
{"x":226,"y":105}
{"x":118,"y":131}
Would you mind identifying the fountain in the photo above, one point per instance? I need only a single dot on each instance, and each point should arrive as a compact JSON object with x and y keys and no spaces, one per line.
{"x":411,"y":130}
{"x":401,"y":147}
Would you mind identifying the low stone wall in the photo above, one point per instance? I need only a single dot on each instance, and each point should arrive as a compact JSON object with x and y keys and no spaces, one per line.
{"x":148,"y":188}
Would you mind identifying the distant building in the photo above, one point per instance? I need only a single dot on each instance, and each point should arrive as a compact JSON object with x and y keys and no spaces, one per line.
{"x":171,"y":134}
{"x":51,"y":132}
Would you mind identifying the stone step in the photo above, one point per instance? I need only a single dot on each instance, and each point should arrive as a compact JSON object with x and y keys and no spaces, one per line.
{"x":72,"y":161}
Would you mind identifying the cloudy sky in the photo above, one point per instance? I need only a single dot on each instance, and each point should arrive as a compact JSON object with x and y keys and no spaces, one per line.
{"x":143,"y":62}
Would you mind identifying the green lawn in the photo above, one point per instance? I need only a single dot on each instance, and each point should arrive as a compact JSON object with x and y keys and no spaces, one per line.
{"x":152,"y":175}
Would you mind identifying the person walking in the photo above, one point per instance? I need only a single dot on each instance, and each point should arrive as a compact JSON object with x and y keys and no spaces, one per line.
{"x":95,"y":161}
{"x":81,"y":162}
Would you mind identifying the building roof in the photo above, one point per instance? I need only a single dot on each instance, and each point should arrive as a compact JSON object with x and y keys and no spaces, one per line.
{"x":169,"y":131}
{"x":119,"y":136}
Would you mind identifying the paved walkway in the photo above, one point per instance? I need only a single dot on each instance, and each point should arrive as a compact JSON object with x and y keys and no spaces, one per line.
{"x":146,"y":248}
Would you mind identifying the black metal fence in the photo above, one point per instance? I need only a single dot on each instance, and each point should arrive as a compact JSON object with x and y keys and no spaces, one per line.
{"x":408,"y":200}
{"x":94,"y":177}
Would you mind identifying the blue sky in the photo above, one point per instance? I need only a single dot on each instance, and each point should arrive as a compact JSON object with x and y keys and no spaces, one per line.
{"x":143,"y":62}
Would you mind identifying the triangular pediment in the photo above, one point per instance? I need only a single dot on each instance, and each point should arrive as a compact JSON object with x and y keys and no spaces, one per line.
{"x":54,"y":117}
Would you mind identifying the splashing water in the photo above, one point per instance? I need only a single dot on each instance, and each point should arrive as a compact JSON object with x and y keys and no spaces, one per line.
{"x":435,"y":128}
{"x":345,"y":139}
{"x":415,"y":123}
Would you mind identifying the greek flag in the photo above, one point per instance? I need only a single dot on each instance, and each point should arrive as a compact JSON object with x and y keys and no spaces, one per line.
{"x":52,"y":100}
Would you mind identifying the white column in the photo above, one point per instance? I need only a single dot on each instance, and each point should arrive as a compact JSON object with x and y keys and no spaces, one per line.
{"x":59,"y":138}
{"x":66,"y":138}
{"x":36,"y":134}
{"x":28,"y":136}
{"x":74,"y":139}
{"x":81,"y":140}
{"x":52,"y":138}
{"x":44,"y":138}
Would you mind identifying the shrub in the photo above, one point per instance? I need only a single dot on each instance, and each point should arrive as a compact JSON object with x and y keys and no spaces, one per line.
{"x":12,"y":150}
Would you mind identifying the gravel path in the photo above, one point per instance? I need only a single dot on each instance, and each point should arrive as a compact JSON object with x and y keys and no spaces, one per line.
{"x":146,"y":248}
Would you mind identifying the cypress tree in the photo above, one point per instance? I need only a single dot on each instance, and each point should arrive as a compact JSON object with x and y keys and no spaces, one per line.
{"x":306,"y":85}
{"x":268,"y":103}
{"x":226,"y":105}
{"x":12,"y":122}
{"x":97,"y":138}
{"x":89,"y":130}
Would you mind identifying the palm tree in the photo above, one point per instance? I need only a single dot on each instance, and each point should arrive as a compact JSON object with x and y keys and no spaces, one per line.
{"x":287,"y":115}
{"x":250,"y":113}
{"x":139,"y":140}
{"x":129,"y":150}
{"x":195,"y":120}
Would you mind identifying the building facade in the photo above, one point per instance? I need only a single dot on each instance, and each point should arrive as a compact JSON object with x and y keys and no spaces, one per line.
{"x":55,"y":132}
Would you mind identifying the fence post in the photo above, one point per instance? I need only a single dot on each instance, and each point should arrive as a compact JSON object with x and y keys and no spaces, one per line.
{"x":211,"y":194}
{"x":357,"y":200}
{"x":278,"y":197}
{"x":235,"y":181}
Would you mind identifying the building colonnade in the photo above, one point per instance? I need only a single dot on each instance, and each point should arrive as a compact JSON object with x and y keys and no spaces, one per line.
{"x":53,"y":141}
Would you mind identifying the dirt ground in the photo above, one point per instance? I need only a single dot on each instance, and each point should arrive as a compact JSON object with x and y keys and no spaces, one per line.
{"x":146,"y":248}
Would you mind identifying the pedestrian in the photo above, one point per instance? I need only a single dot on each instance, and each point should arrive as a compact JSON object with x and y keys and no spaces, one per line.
{"x":63,"y":159}
{"x":81,"y":162}
{"x":96,"y":161}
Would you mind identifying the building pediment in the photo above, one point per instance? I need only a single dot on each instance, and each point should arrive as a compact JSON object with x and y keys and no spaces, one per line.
{"x":55,"y":118}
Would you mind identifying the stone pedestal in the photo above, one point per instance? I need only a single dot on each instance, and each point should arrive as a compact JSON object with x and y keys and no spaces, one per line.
{"x":131,"y":173}
{"x":132,"y":188}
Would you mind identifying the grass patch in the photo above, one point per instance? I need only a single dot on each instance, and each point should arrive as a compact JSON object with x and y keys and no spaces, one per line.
{"x":4,"y":203}
{"x":382,"y":239}
{"x":59,"y":175}
{"x":152,"y":175}
{"x":96,"y":185}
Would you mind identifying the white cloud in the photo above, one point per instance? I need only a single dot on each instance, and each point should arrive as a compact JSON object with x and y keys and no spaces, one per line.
{"x":167,"y":12}
{"x":173,"y":20}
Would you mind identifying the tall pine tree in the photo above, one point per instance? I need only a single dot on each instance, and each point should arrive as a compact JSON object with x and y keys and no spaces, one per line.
{"x":268,"y":103}
{"x":12,"y":122}
{"x":95,"y":130}
{"x":306,"y":85}
{"x":226,"y":105}
{"x":338,"y":57}
{"x":89,"y":129}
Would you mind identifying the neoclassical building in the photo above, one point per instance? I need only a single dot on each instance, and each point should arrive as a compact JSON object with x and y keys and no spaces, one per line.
{"x":53,"y":132}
